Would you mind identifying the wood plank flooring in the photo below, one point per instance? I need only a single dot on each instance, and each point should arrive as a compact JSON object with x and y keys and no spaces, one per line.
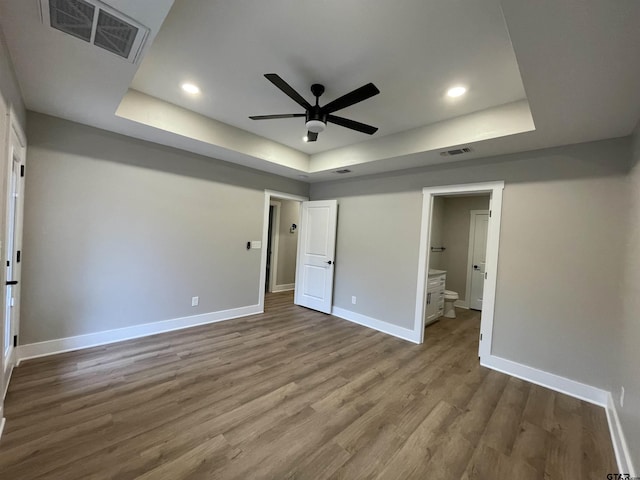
{"x":293,"y":394}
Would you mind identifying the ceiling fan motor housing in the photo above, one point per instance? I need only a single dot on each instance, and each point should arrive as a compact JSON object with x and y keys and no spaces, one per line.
{"x":316,"y":121}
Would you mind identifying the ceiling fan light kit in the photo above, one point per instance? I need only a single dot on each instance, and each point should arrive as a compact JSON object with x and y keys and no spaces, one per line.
{"x":315,"y":126}
{"x":316,"y":117}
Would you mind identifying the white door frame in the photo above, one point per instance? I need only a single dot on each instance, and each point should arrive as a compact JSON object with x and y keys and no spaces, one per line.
{"x":472,"y":230}
{"x":275,"y":239}
{"x":494,"y":189}
{"x":268,"y":194}
{"x":14,"y":129}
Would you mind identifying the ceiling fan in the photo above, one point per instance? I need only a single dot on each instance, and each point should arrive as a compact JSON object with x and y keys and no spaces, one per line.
{"x":316,"y":116}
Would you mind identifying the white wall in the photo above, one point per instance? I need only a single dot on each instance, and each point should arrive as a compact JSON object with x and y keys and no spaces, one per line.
{"x":9,"y":87}
{"x":288,"y":242}
{"x":627,"y":334}
{"x":560,"y":251}
{"x":455,"y":237}
{"x":121,"y":232}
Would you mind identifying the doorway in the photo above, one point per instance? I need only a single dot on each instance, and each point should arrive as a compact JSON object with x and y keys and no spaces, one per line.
{"x":431,"y":253}
{"x":457,"y":253}
{"x":282,"y":245}
{"x":272,"y":240}
{"x":280,"y":238}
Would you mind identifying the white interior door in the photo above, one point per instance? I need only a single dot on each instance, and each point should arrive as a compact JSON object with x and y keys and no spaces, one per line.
{"x":478,"y":247}
{"x":316,"y":249}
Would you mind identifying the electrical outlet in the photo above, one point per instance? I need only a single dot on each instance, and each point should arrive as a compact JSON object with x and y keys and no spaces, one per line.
{"x":195,"y":301}
{"x":353,"y":300}
{"x":621,"y":397}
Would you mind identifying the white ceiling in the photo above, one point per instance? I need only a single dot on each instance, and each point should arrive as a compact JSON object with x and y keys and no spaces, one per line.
{"x":577,"y":59}
{"x":413,"y":52}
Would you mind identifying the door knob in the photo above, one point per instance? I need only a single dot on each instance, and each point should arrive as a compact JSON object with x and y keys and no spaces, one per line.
{"x":329,"y":262}
{"x":12,"y":282}
{"x":475,"y":267}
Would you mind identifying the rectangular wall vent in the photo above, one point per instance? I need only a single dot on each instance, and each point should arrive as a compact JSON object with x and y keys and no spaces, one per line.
{"x":98,"y":24}
{"x":344,"y":170}
{"x":455,"y":151}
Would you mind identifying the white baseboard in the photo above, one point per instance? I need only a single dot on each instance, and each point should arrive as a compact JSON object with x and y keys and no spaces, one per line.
{"x":285,"y":287}
{"x":461,"y":304}
{"x":555,"y":382}
{"x":50,"y":347}
{"x":381,"y":326}
{"x":620,"y":446}
{"x":6,"y":387}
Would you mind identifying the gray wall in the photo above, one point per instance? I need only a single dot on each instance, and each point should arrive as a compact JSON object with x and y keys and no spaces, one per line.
{"x":288,"y":244}
{"x":627,"y":335}
{"x":376,"y":254}
{"x":560,"y":250}
{"x":455,"y":237}
{"x":120,"y":232}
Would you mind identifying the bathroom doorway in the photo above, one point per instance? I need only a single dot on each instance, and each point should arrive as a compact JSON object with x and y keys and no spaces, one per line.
{"x":458,"y":249}
{"x":459,"y":254}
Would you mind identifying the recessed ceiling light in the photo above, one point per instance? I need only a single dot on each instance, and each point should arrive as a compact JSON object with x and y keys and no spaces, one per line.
{"x":305,"y":139}
{"x":190,"y":88}
{"x":456,"y":91}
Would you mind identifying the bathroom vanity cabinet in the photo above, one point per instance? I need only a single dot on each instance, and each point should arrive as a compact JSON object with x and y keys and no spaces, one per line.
{"x":435,"y":295}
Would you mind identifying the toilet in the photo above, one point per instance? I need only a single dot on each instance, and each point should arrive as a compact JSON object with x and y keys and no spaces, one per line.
{"x":450,"y":298}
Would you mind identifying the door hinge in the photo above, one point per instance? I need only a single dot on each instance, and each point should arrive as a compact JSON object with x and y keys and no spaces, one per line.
{"x":15,"y":340}
{"x":480,"y":337}
{"x":22,"y":170}
{"x":485,"y":275}
{"x":18,"y":256}
{"x":489,"y":213}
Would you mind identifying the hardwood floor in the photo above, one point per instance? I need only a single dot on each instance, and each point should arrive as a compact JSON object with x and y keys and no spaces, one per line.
{"x":293,"y":394}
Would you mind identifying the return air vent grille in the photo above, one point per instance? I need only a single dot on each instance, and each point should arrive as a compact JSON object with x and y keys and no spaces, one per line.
{"x":455,"y":151}
{"x":98,"y":24}
{"x":114,"y":35}
{"x":74,"y":17}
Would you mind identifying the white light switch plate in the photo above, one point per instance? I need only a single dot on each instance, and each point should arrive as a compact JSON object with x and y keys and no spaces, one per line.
{"x":256,"y":244}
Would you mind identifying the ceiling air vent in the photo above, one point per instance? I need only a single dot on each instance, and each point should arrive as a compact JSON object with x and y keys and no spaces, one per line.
{"x":344,"y":170}
{"x":98,"y":24}
{"x":114,"y":35}
{"x":455,"y":151}
{"x":74,"y":17}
